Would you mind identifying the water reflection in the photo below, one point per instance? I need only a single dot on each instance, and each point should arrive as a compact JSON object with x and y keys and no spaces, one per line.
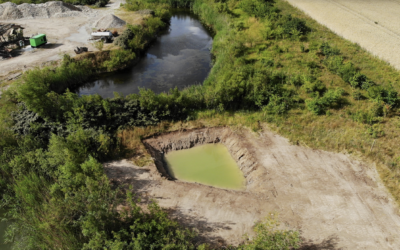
{"x":179,"y":57}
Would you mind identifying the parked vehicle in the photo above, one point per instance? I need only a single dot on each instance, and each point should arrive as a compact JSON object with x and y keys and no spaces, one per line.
{"x":105,"y":36}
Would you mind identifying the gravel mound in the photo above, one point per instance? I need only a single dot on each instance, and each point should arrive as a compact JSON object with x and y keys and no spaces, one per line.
{"x":11,"y":11}
{"x":109,"y":21}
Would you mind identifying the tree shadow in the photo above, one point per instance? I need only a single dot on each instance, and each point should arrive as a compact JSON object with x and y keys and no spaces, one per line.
{"x":125,"y":176}
{"x":328,"y":244}
{"x":205,"y":229}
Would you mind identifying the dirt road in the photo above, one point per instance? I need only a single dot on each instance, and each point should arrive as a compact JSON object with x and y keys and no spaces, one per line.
{"x":374,"y":25}
{"x":336,"y":202}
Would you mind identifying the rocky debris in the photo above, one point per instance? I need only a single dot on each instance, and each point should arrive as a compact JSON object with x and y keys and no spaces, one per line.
{"x":12,"y":11}
{"x":109,"y":21}
{"x":80,"y":50}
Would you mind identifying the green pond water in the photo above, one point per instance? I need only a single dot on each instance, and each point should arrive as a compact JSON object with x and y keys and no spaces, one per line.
{"x":209,"y":164}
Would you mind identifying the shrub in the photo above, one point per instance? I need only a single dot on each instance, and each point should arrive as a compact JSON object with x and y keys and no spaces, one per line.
{"x":387,"y":95}
{"x":119,"y":59}
{"x":347,"y":71}
{"x":124,"y":38}
{"x":357,"y":95}
{"x":358,"y":80}
{"x":268,"y":236}
{"x":293,"y":27}
{"x":328,"y":51}
{"x":99,"y":45}
{"x":311,"y":86}
{"x":257,"y":8}
{"x":319,"y":105}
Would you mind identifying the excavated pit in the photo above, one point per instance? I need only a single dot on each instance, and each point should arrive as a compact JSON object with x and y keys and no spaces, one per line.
{"x":336,"y":202}
{"x":159,"y":146}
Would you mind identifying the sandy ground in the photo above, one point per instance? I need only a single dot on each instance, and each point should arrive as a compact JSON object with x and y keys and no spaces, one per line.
{"x":373,"y":24}
{"x":63,"y":34}
{"x":335,"y":201}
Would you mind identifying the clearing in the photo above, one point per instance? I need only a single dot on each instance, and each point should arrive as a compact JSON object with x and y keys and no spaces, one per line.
{"x":64,"y":34}
{"x":335,"y":201}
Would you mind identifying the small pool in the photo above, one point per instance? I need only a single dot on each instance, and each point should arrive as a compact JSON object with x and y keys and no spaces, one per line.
{"x":209,"y":164}
{"x":179,"y":57}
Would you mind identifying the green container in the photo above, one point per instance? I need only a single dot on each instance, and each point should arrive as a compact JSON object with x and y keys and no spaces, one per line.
{"x":38,"y":40}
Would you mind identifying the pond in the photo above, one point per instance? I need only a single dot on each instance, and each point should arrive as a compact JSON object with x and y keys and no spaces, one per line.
{"x":179,"y":57}
{"x":209,"y":164}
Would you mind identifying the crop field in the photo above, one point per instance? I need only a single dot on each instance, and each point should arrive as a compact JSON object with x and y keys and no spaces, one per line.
{"x":374,"y":25}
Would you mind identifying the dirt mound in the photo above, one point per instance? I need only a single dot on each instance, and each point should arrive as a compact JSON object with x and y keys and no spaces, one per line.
{"x":109,"y":21}
{"x":11,"y":11}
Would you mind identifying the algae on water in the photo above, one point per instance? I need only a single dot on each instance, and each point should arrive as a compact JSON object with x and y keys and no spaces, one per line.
{"x":209,"y":164}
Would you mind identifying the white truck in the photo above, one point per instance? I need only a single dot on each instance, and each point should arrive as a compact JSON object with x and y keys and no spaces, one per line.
{"x":105,"y":36}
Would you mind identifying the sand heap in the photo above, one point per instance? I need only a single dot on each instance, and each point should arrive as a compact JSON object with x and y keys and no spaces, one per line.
{"x":109,"y":21}
{"x":11,"y":11}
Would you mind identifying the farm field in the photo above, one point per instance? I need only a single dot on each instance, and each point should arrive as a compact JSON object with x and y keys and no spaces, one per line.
{"x":374,"y":25}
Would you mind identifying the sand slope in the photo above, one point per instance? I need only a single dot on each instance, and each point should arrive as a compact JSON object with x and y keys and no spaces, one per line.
{"x":336,"y":202}
{"x":373,"y":24}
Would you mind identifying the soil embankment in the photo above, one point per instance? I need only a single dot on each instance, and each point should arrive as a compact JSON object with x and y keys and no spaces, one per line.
{"x":336,"y":202}
{"x":158,"y":146}
{"x":374,"y":25}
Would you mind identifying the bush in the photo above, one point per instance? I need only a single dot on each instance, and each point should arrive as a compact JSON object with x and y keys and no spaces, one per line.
{"x":269,"y":237}
{"x":293,"y":27}
{"x":257,"y":8}
{"x":328,"y":51}
{"x":357,"y":95}
{"x":99,"y":45}
{"x":358,"y":80}
{"x":119,"y":59}
{"x":124,"y":38}
{"x":387,"y":95}
{"x":319,"y":105}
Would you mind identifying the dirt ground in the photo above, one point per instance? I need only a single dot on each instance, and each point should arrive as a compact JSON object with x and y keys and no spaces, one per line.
{"x":374,"y":25}
{"x":63,"y":34}
{"x":335,"y":201}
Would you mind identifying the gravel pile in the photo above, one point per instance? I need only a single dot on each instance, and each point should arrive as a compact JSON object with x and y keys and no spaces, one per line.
{"x":109,"y":21}
{"x":11,"y":11}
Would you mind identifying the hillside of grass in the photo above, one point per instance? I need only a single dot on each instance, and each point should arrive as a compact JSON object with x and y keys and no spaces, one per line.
{"x":274,"y":67}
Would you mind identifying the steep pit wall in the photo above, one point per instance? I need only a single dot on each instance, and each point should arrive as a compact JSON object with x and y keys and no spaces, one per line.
{"x":159,"y":145}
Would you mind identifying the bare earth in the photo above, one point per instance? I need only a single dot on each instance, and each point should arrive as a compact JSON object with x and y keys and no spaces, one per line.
{"x":63,"y":34}
{"x":373,"y":24}
{"x":335,"y":201}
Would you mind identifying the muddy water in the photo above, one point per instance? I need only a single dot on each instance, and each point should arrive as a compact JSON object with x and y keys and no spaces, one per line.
{"x":178,"y":58}
{"x":209,"y":164}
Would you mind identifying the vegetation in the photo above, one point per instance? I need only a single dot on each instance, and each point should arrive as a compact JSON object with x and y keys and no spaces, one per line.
{"x":272,"y":66}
